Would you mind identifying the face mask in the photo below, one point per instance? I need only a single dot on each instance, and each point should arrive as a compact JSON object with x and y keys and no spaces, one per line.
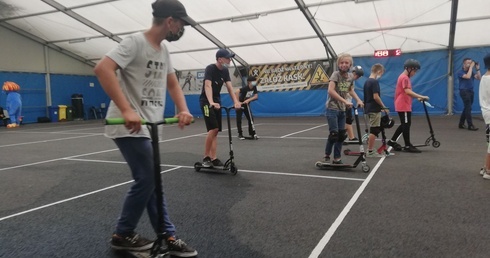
{"x":378,"y":77}
{"x":254,"y":84}
{"x":225,"y":65}
{"x":174,"y":37}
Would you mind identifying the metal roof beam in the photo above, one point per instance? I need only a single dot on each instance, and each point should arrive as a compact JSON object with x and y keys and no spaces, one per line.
{"x":213,"y":39}
{"x":83,"y":20}
{"x":311,"y":19}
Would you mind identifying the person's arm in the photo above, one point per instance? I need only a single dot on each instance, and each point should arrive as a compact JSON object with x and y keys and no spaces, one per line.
{"x":208,"y":90}
{"x":378,"y":100}
{"x":412,"y":94}
{"x":237,"y":93}
{"x":353,"y":94}
{"x":254,"y":97}
{"x":229,"y":87}
{"x":468,"y":74}
{"x":477,"y":74}
{"x":105,"y":70}
{"x":177,"y":95}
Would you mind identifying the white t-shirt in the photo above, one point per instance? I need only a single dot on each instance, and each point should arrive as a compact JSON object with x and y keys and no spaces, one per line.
{"x":485,"y":97}
{"x":143,"y":80}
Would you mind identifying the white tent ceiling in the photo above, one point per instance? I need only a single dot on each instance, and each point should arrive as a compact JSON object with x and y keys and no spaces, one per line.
{"x":258,"y":31}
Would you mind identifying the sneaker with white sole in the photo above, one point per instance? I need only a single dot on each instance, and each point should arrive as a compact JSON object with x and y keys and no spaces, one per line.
{"x":482,"y":171}
{"x":206,"y":162}
{"x":178,"y":248}
{"x":217,"y":163}
{"x":373,"y":154}
{"x":486,"y":175}
{"x":133,"y":242}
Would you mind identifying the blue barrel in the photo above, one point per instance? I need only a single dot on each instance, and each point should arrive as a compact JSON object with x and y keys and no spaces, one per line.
{"x":53,"y":113}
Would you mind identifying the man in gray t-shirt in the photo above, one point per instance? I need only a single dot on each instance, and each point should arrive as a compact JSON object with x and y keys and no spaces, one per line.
{"x":145,"y":74}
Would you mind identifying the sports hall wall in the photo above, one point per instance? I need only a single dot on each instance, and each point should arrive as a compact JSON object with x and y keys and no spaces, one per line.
{"x":431,"y":80}
{"x":23,"y":61}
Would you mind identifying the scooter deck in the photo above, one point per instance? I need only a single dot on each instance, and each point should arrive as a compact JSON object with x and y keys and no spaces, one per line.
{"x":139,"y":254}
{"x":251,"y":138}
{"x":322,"y":164}
{"x":227,"y":168}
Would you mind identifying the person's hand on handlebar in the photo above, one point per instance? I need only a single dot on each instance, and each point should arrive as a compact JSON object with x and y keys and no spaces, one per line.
{"x":215,"y":105}
{"x":132,"y":121}
{"x":185,"y":118}
{"x":237,"y":105}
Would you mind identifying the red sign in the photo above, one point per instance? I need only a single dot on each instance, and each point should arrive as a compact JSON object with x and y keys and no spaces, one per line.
{"x":387,"y":53}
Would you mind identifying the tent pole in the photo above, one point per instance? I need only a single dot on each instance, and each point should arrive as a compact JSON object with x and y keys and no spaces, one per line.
{"x":450,"y":78}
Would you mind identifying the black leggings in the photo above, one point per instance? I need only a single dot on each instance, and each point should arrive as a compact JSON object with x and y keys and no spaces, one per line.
{"x":404,"y":127}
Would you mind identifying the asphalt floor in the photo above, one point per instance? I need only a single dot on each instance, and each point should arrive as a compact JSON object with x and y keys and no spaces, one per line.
{"x":62,"y":186}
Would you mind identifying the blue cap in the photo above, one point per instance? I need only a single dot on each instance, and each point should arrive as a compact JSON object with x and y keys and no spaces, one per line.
{"x":224,"y":53}
{"x":486,"y":61}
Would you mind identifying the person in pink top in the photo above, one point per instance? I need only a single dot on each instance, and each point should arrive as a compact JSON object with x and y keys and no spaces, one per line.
{"x":403,"y":105}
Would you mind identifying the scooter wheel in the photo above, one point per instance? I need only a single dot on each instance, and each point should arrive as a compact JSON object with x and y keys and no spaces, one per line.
{"x":197,"y":166}
{"x":347,"y":151}
{"x":233,"y":169}
{"x":365,"y":168}
{"x":436,"y":144}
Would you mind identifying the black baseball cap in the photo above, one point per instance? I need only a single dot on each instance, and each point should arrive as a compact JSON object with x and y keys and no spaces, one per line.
{"x":224,"y":53}
{"x":251,"y":79}
{"x":170,"y":8}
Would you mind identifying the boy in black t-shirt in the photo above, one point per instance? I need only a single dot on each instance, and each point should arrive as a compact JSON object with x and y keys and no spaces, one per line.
{"x":245,"y":95}
{"x":373,"y":105}
{"x":215,"y":76}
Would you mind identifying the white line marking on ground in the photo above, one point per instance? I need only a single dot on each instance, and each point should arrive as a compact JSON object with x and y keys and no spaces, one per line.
{"x":53,"y":140}
{"x":326,"y":238}
{"x":75,"y":197}
{"x":241,"y":170}
{"x":314,"y":127}
{"x":52,"y":160}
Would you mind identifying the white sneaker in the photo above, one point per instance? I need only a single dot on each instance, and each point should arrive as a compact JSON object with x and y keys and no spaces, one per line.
{"x":486,"y":176}
{"x":482,"y":171}
{"x":373,"y":154}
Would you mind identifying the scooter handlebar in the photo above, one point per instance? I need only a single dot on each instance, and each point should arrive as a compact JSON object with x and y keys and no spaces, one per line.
{"x":121,"y":121}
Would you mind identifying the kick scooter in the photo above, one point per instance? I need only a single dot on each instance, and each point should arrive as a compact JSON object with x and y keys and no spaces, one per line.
{"x":431,"y":138}
{"x":230,"y":163}
{"x":361,"y":159}
{"x":158,"y":250}
{"x":255,"y":136}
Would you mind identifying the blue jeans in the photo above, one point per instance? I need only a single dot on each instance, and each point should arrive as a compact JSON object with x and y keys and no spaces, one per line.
{"x":336,"y":122}
{"x":138,"y":153}
{"x":467,"y":96}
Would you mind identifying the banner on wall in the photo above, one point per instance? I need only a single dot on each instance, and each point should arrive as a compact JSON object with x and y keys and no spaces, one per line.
{"x":305,"y":75}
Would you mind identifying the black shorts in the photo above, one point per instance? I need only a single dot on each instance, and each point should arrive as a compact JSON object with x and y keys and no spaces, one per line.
{"x":212,"y":117}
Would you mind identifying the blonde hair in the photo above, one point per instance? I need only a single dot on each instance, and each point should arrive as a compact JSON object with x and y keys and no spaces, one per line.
{"x":345,"y":56}
{"x":377,"y":68}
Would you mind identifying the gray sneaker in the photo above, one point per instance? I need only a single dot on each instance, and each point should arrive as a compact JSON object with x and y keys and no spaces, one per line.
{"x":179,"y":248}
{"x":206,"y":162}
{"x":373,"y":154}
{"x":217,"y":163}
{"x":133,"y":242}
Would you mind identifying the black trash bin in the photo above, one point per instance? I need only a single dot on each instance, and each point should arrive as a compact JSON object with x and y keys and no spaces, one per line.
{"x":69,"y":113}
{"x":77,"y":106}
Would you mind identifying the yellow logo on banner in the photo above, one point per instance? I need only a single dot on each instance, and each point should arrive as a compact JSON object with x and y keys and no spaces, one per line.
{"x":320,"y":76}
